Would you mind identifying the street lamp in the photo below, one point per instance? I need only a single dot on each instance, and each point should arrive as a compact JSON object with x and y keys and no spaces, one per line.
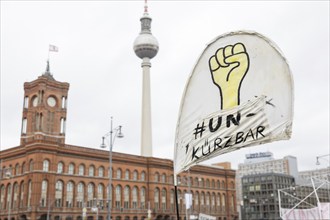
{"x":117,"y":133}
{"x":321,"y":157}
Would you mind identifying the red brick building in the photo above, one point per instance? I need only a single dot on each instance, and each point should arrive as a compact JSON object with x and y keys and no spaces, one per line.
{"x":46,"y":177}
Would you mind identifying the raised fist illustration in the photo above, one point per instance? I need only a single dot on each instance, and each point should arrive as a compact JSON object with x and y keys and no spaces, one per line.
{"x":228,"y":67}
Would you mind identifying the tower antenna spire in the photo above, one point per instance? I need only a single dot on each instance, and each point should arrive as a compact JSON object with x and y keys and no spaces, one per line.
{"x":146,"y":6}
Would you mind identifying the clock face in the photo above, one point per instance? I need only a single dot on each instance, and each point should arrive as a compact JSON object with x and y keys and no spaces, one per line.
{"x":51,"y":101}
{"x":35,"y":101}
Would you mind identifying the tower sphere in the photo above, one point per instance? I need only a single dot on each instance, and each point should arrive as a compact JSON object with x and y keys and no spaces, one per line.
{"x":146,"y":45}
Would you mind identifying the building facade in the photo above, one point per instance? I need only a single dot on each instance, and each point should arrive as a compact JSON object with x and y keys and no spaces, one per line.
{"x":260,"y":195}
{"x":44,"y":178}
{"x":260,"y":163}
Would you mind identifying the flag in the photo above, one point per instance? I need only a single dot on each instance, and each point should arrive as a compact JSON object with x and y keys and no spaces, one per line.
{"x":53,"y":48}
{"x":239,"y":94}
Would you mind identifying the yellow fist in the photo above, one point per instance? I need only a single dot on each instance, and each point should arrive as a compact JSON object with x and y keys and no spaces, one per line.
{"x":228,"y":67}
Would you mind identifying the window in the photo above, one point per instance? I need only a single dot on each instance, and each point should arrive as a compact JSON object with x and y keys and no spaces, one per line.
{"x":62,"y":125}
{"x":43,"y":199}
{"x":126,"y":197}
{"x":81,"y":170}
{"x":26,"y":102}
{"x":23,"y":168}
{"x":29,"y":194}
{"x":143,"y":176}
{"x":135,"y":175}
{"x":21,"y":197}
{"x":101,"y":171}
{"x":63,"y":102}
{"x":118,"y":173}
{"x":156,"y":177}
{"x":100,"y":194}
{"x":9,"y":205}
{"x":172,"y":200}
{"x":91,"y":171}
{"x":59,"y":194}
{"x":31,"y":165}
{"x":143,"y":198}
{"x":45,"y":166}
{"x":2,"y":197}
{"x":24,"y":125}
{"x":156,"y":199}
{"x":80,"y":195}
{"x":196,"y":199}
{"x":134,"y":197}
{"x":163,"y":178}
{"x":164,"y":199}
{"x":118,"y":196}
{"x":69,"y":194}
{"x":15,"y":199}
{"x":71,"y":169}
{"x":127,"y":175}
{"x":90,"y":194}
{"x":60,"y":167}
{"x":17,"y":170}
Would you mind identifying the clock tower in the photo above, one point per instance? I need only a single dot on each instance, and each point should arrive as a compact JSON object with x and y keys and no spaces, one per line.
{"x":44,"y":109}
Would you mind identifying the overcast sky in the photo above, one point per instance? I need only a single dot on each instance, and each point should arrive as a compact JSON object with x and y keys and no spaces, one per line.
{"x":95,"y":41}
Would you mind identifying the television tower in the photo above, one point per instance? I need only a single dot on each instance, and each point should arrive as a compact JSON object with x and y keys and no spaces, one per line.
{"x":146,"y":48}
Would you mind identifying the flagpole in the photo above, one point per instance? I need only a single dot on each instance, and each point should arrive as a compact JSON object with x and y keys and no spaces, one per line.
{"x":176,"y":197}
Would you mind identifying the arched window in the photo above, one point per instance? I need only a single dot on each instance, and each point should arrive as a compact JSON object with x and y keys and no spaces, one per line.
{"x":69,"y":194}
{"x":71,"y":169}
{"x":15,"y":199}
{"x":21,"y":195}
{"x":202,"y":199}
{"x":223,"y":201}
{"x":213,"y":201}
{"x":2,"y":197}
{"x":135,"y":197}
{"x":43,"y":198}
{"x":135,"y":175}
{"x":207,"y":183}
{"x":23,"y":168}
{"x":62,"y":125}
{"x":24,"y":125}
{"x":127,"y":175}
{"x":29,"y":194}
{"x":223,"y":184}
{"x":90,"y":194}
{"x":81,"y":170}
{"x":118,"y":196}
{"x":218,"y":202}
{"x":213,"y":184}
{"x":45,"y":166}
{"x":126,"y":197}
{"x":100,"y":189}
{"x":172,"y":200}
{"x":9,"y":201}
{"x":201,"y":182}
{"x":80,"y":195}
{"x":197,"y":201}
{"x":59,"y":194}
{"x":218,"y":184}
{"x":156,"y":177}
{"x":164,"y":199}
{"x":60,"y":167}
{"x":143,"y":198}
{"x":232,"y":202}
{"x":143,"y":176}
{"x":163,"y":178}
{"x":118,"y":173}
{"x":208,"y":200}
{"x":31,"y":165}
{"x":17,"y":170}
{"x":101,"y":171}
{"x":91,"y":170}
{"x":156,"y":199}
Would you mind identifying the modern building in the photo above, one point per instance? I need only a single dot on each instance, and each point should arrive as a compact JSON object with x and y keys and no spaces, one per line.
{"x":260,"y":195}
{"x":261,"y":163}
